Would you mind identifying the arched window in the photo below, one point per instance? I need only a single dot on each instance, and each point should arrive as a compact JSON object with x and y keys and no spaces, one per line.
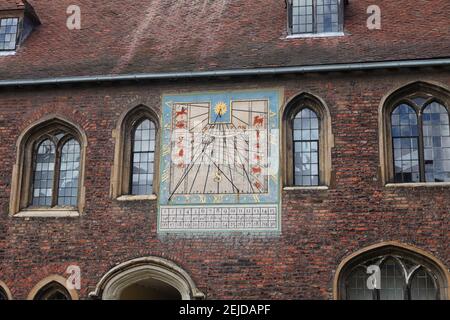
{"x":421,"y":142}
{"x":308,"y":142}
{"x":56,"y":171}
{"x":48,"y":175}
{"x":403,"y":275}
{"x":306,"y":148}
{"x":52,"y":288}
{"x":143,"y":157}
{"x":417,"y":144}
{"x":52,"y":291}
{"x":136,"y":150}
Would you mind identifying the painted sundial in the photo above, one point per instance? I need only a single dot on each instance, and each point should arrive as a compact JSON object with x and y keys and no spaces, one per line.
{"x":219,"y":162}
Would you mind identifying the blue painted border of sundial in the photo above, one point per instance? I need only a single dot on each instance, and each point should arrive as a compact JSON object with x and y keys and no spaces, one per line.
{"x":272,"y":197}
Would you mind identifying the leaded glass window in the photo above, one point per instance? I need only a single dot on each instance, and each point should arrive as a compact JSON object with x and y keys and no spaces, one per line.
{"x":357,"y":286}
{"x":436,"y":137}
{"x":306,"y":148}
{"x":401,"y":278}
{"x":143,"y":157}
{"x":421,"y":141}
{"x":405,"y":135}
{"x":56,"y":171}
{"x":44,"y":174}
{"x":69,"y":174}
{"x":315,"y":16}
{"x":8,"y":33}
{"x":392,"y":281}
{"x":423,"y":286}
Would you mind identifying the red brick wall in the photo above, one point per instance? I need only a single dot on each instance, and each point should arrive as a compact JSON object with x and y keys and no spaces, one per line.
{"x":319,"y":228}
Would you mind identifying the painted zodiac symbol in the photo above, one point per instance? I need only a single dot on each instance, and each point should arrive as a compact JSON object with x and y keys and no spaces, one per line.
{"x":181,"y":113}
{"x":258,"y":121}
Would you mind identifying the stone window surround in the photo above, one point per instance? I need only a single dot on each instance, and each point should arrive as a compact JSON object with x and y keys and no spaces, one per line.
{"x":392,"y":248}
{"x":60,"y":280}
{"x":439,"y":92}
{"x":121,"y":170}
{"x":294,"y":105}
{"x":21,"y":181}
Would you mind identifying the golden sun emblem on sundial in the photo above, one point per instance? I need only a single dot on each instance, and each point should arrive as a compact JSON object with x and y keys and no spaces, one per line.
{"x":221,"y":108}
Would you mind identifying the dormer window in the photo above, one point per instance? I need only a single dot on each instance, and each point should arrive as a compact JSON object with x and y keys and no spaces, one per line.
{"x":313,"y":17}
{"x":17,"y":21}
{"x":8,"y":33}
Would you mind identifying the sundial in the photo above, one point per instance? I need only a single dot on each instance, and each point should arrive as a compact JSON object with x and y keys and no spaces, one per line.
{"x":221,"y":154}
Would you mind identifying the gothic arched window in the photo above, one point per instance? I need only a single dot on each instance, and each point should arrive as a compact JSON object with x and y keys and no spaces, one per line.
{"x":56,"y":171}
{"x":421,"y":141}
{"x":48,"y":176}
{"x":415,"y":135}
{"x":398,"y":273}
{"x":143,"y":157}
{"x":136,"y":157}
{"x":308,"y":141}
{"x":52,"y":291}
{"x":306,"y":148}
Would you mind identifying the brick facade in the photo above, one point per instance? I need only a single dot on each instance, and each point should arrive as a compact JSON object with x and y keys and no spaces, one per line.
{"x":319,"y":227}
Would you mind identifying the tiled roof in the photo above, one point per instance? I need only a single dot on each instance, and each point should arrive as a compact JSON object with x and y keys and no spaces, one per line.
{"x":11,"y":4}
{"x":139,"y":36}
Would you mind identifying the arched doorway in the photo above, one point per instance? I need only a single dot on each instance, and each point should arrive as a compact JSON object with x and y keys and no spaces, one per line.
{"x":150,"y":289}
{"x":149,"y":278}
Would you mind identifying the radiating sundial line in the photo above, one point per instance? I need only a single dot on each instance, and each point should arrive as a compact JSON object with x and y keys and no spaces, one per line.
{"x":198,"y":115}
{"x":245,"y":171}
{"x":221,"y":171}
{"x":259,"y":181}
{"x":184,"y":176}
{"x":191,"y":165}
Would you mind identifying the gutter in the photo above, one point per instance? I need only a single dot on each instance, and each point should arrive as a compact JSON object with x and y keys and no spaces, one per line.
{"x":233,"y":72}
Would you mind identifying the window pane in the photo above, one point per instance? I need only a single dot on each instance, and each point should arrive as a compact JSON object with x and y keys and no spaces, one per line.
{"x":8,"y":33}
{"x":327,"y":16}
{"x":43,"y":174}
{"x":324,"y":18}
{"x":143,"y":158}
{"x":405,"y":139}
{"x":69,"y":174}
{"x":392,"y":281}
{"x":306,"y":148}
{"x":356,"y":287}
{"x":302,"y":16}
{"x":436,"y":143}
{"x":423,"y":286}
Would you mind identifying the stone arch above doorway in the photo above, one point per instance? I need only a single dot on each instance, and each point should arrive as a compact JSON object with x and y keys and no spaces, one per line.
{"x":145,"y":278}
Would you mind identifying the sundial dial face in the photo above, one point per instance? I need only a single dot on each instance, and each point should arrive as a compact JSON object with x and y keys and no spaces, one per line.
{"x":220,"y":154}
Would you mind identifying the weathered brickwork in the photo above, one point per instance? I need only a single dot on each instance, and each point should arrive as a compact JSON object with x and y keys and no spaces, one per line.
{"x":319,"y":227}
